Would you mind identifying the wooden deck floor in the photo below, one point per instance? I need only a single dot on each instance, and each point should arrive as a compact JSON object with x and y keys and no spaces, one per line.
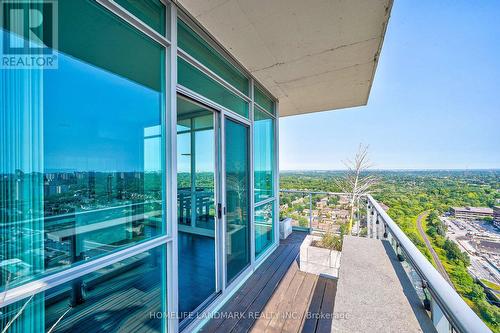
{"x":278,"y":297}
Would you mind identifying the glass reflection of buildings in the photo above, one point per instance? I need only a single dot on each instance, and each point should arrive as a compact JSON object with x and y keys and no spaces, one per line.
{"x":79,"y":209}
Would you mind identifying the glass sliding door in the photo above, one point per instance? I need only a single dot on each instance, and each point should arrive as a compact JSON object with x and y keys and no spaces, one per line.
{"x":196,"y":193}
{"x":237,"y":179}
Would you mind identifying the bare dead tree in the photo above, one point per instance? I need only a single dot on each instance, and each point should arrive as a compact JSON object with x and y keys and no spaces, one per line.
{"x":21,"y":310}
{"x":357,"y":183}
{"x":58,"y":320}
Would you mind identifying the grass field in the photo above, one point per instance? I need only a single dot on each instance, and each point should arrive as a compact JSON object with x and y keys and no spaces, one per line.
{"x":491,"y":285}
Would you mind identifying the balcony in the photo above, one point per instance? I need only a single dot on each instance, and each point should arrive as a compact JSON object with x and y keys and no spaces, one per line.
{"x":384,"y":284}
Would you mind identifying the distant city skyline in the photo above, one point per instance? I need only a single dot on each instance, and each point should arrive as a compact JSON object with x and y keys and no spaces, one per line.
{"x":435,"y":100}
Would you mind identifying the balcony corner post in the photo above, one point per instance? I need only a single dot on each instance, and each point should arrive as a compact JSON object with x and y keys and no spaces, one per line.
{"x":310,"y":213}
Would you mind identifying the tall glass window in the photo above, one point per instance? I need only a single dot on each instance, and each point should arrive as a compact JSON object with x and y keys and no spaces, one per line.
{"x":127,"y":296}
{"x":237,"y":198}
{"x":263,"y":155}
{"x":82,"y":173}
{"x":264,"y":235}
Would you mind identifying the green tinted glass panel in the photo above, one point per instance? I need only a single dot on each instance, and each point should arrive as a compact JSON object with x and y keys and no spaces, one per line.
{"x":264,"y":235}
{"x":264,"y":102}
{"x":193,"y":44}
{"x":151,"y":12}
{"x":263,"y":155}
{"x":81,"y":159}
{"x":194,"y":79}
{"x":91,"y":34}
{"x":237,"y":198}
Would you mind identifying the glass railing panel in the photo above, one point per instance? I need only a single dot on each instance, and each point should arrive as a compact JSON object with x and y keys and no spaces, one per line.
{"x":295,"y":205}
{"x":330,"y":213}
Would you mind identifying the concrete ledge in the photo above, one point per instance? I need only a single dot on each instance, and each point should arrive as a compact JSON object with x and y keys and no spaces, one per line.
{"x":319,"y":261}
{"x":374,"y":293}
{"x":285,"y":228}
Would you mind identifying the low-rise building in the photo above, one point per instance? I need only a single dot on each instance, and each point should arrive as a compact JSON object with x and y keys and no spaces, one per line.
{"x":496,"y":216}
{"x":471,"y":213}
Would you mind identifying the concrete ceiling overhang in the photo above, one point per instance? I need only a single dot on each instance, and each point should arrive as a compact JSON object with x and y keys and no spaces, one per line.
{"x":313,"y":55}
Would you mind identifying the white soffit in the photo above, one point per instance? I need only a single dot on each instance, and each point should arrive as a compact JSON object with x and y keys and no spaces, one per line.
{"x":313,"y":55}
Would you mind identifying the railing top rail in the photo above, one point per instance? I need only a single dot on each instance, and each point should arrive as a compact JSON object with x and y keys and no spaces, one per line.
{"x":456,"y":310}
{"x":314,"y":192}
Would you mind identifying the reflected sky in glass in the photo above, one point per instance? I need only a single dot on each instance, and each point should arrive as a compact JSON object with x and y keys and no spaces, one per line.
{"x":97,"y":120}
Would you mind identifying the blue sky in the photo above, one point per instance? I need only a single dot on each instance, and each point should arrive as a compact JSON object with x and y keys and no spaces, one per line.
{"x":435,"y":101}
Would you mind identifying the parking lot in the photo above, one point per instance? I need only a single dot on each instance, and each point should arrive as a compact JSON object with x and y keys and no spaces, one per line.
{"x":471,"y":236}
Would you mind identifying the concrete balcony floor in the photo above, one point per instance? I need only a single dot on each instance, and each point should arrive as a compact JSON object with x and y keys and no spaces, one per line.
{"x":375,"y":292}
{"x":372,"y":294}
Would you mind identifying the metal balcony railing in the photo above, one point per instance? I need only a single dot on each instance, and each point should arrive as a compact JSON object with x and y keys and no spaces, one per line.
{"x":315,"y":211}
{"x":319,"y":212}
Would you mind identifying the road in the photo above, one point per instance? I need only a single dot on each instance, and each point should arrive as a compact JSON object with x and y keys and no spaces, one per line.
{"x":434,"y":255}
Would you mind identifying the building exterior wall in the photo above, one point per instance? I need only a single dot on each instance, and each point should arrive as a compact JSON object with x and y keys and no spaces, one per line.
{"x":89,"y":171}
{"x":471,"y":213}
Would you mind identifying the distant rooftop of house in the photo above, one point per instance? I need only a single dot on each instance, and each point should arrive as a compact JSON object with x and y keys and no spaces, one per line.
{"x":384,"y":206}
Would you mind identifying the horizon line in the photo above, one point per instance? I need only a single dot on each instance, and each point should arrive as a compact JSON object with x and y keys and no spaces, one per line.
{"x":395,"y":169}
